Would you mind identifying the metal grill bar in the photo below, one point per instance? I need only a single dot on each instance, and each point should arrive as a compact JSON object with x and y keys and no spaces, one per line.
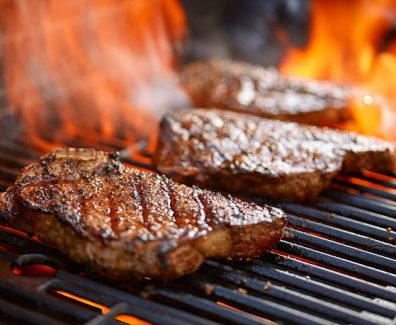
{"x":388,"y":184}
{"x":338,"y":220}
{"x":8,"y":174}
{"x":17,"y":314}
{"x":112,"y":296}
{"x":256,"y":305}
{"x":362,"y":202}
{"x":45,"y":304}
{"x":302,"y":284}
{"x":330,"y":276}
{"x":342,"y":235}
{"x":207,"y":307}
{"x":342,"y":249}
{"x":18,"y":150}
{"x":352,"y":212}
{"x":300,"y":298}
{"x":337,"y":262}
{"x":92,"y":290}
{"x":366,"y":189}
{"x":134,"y":305}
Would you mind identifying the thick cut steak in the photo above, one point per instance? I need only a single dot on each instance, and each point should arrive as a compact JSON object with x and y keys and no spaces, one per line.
{"x":255,"y":90}
{"x":249,"y":154}
{"x":129,"y":222}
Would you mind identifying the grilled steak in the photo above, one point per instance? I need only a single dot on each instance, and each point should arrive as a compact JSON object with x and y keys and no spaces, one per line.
{"x":264,"y":92}
{"x":249,"y":154}
{"x":131,"y":223}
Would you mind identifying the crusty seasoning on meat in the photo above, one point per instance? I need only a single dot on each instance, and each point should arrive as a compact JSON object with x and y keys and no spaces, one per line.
{"x":252,"y":155}
{"x":255,"y":90}
{"x":131,"y":223}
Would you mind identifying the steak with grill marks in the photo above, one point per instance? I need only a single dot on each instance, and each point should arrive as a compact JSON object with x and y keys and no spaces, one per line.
{"x":129,"y":222}
{"x":249,"y":154}
{"x":255,"y":90}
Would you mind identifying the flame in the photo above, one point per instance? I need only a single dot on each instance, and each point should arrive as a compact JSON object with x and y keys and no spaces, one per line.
{"x":102,"y":67}
{"x":349,"y":43}
{"x":128,"y":319}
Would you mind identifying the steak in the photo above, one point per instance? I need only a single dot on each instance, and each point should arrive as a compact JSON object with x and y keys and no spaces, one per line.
{"x":248,"y":154}
{"x":251,"y":89}
{"x":132,"y":223}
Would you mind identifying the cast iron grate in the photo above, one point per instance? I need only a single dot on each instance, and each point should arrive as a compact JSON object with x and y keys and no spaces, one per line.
{"x":337,"y":264}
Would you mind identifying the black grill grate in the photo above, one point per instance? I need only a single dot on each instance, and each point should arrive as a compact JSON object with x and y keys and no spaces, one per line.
{"x":337,"y":264}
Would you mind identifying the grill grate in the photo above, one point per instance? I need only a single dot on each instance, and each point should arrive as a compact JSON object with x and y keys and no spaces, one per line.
{"x":337,"y":264}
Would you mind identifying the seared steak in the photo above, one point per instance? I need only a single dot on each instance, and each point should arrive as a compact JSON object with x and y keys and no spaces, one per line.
{"x":131,"y":223}
{"x":249,"y":154}
{"x":264,"y":92}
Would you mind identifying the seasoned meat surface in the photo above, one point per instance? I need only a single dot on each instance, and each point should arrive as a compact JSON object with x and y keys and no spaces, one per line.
{"x":249,"y":154}
{"x":264,"y":92}
{"x":131,"y":223}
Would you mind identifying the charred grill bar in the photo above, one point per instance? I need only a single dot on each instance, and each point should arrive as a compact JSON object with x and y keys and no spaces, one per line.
{"x":336,"y":265}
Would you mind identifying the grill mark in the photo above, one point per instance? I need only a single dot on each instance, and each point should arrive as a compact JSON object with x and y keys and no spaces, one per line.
{"x":136,"y":195}
{"x":256,"y":129}
{"x":59,"y":209}
{"x":114,"y":222}
{"x":256,"y":137}
{"x":114,"y":217}
{"x":237,"y":213}
{"x":79,"y":202}
{"x":202,"y":218}
{"x":139,"y":192}
{"x":59,"y":205}
{"x":205,"y":143}
{"x":168,"y":190}
{"x":214,"y":147}
{"x":174,"y":125}
{"x":208,"y":215}
{"x":242,"y":151}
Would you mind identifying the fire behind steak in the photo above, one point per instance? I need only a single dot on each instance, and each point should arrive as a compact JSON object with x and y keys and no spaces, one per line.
{"x":264,"y":92}
{"x":131,"y":223}
{"x":249,"y":154}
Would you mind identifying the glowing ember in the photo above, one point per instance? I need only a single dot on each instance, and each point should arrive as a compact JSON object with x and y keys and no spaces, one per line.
{"x":99,"y":66}
{"x":348,"y":44}
{"x":266,"y":320}
{"x":34,"y":270}
{"x":127,"y":319}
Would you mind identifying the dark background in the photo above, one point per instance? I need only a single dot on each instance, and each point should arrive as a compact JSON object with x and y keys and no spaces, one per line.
{"x":258,"y":31}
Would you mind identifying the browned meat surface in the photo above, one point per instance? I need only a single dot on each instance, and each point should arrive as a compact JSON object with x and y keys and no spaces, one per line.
{"x":249,"y":154}
{"x":131,"y":223}
{"x":264,"y":92}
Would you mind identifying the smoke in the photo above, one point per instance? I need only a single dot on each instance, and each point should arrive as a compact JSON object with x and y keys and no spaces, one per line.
{"x":99,"y":66}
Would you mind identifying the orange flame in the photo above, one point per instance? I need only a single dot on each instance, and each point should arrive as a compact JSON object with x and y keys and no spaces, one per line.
{"x":348,"y":44}
{"x":98,"y":66}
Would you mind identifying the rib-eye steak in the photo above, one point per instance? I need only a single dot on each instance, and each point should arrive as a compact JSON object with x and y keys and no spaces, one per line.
{"x":249,"y":154}
{"x":264,"y":92}
{"x":132,"y":223}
